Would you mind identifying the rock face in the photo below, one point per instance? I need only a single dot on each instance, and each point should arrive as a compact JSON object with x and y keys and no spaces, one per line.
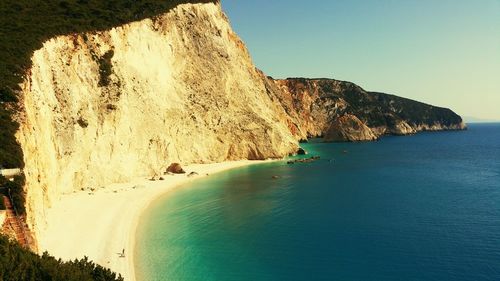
{"x":343,"y":111}
{"x":108,"y":106}
{"x":301,"y":151}
{"x":349,"y":128}
{"x":175,"y":168}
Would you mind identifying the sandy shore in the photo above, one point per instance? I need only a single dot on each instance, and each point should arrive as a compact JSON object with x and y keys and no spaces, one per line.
{"x":101,"y":224}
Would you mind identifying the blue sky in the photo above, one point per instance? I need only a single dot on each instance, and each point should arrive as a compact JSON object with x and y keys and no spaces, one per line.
{"x":443,"y":52}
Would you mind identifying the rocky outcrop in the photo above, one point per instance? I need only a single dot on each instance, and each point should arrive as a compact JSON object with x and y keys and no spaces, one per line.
{"x":343,"y":111}
{"x":348,"y":128}
{"x":301,"y":151}
{"x":175,"y":168}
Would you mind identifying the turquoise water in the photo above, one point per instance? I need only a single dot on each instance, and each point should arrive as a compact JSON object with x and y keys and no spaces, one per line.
{"x":424,"y":207}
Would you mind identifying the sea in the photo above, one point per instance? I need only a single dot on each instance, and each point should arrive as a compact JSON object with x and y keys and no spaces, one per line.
{"x":421,"y":207}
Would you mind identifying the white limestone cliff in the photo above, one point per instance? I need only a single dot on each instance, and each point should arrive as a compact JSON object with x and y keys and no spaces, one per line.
{"x":105,"y":107}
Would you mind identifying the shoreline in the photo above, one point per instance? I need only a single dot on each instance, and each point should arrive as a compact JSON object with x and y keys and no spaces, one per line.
{"x":102,"y":223}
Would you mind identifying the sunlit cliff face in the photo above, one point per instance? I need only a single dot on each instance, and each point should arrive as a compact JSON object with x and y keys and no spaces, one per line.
{"x":106,"y":107}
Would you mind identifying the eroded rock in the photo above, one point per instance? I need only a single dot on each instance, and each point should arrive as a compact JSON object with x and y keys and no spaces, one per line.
{"x":175,"y":168}
{"x":349,"y":128}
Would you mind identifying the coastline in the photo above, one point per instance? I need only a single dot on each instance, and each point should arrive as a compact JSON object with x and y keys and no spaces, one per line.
{"x":102,"y":223}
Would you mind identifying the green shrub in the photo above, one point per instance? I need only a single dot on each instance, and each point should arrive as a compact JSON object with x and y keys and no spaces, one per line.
{"x":15,"y":190}
{"x":17,"y":263}
{"x":105,"y":68}
{"x":10,"y":152}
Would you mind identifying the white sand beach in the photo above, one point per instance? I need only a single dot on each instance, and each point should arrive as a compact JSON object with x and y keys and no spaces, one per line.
{"x":101,"y":224}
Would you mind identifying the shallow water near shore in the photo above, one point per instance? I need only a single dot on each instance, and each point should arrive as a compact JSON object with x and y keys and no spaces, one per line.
{"x":423,"y":207}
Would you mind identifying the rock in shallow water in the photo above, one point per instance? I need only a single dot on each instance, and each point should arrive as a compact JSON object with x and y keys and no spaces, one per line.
{"x":301,"y":151}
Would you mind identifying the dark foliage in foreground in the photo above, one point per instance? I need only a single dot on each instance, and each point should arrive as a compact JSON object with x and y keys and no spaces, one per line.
{"x":10,"y":153}
{"x":14,"y":189}
{"x":17,"y":263}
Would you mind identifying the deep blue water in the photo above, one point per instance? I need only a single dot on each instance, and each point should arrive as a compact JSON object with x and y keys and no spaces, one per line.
{"x":423,"y":207}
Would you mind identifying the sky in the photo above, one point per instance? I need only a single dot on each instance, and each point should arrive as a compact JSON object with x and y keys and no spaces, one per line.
{"x":442,"y":52}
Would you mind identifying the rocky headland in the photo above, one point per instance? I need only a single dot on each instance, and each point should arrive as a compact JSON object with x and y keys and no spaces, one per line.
{"x":343,"y":111}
